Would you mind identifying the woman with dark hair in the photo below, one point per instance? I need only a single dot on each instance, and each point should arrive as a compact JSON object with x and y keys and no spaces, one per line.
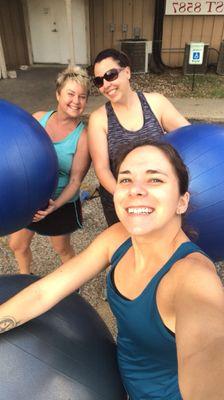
{"x":162,"y":288}
{"x":127,"y":117}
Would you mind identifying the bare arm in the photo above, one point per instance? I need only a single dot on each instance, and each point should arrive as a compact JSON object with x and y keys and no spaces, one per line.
{"x":48,"y":291}
{"x":98,"y":146}
{"x":80,"y":167}
{"x":200,"y":334}
{"x":167,"y":115}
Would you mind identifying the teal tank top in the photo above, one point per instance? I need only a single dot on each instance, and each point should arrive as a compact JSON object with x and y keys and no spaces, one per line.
{"x":147,"y":354}
{"x":65,"y":150}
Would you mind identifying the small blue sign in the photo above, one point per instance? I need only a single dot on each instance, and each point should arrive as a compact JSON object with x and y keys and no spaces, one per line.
{"x":196,"y":55}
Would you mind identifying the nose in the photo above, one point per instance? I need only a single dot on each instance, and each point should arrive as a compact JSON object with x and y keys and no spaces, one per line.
{"x":106,"y":84}
{"x":138,"y":189}
{"x":75,"y":99}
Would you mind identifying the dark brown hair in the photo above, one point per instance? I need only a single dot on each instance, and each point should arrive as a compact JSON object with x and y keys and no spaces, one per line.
{"x":179,"y":167}
{"x":171,"y":154}
{"x":119,"y":56}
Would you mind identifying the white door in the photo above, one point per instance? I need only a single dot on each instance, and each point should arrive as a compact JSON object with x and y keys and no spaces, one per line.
{"x":48,"y":29}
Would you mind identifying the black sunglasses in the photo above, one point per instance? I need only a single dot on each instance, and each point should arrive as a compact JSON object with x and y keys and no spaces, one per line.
{"x":109,"y":76}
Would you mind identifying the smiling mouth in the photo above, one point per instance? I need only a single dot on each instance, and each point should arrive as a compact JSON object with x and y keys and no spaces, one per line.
{"x":74,"y":108}
{"x":111,"y":91}
{"x":139,"y":210}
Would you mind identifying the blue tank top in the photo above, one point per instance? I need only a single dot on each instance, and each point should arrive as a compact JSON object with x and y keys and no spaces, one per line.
{"x":147,"y":354}
{"x":118,"y":136}
{"x":65,"y":150}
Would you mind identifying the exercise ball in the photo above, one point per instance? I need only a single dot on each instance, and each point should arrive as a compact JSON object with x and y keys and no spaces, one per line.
{"x":201,"y":147}
{"x":66,"y":354}
{"x":29,"y":168}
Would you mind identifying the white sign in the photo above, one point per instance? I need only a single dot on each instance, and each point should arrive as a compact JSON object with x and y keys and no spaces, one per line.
{"x":196,"y":53}
{"x":195,"y":7}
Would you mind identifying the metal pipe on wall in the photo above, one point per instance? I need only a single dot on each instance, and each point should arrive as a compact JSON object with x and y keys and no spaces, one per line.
{"x":71,"y":43}
{"x":3,"y":70}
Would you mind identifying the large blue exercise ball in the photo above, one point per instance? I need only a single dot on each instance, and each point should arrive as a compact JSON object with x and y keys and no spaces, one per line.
{"x":201,"y":147}
{"x":28,"y":165}
{"x":67,"y":353}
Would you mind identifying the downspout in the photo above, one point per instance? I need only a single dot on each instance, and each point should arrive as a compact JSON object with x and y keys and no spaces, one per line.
{"x":3,"y":70}
{"x":157,"y":64}
{"x":68,"y":5}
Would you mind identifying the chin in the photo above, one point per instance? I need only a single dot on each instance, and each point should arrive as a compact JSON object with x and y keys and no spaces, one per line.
{"x":137,"y":228}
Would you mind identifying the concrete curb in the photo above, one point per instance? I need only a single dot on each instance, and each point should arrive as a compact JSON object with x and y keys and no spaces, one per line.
{"x":198,"y":109}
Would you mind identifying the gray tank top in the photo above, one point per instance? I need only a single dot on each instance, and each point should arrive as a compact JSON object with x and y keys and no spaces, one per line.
{"x":118,"y":136}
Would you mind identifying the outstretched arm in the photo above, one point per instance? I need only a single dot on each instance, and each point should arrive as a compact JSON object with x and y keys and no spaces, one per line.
{"x":48,"y":291}
{"x":200,"y":334}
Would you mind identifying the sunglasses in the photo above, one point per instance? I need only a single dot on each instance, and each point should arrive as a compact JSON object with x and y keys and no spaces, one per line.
{"x":109,"y":76}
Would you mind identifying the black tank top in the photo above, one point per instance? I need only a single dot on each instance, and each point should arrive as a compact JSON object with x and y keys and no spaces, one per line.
{"x":118,"y":136}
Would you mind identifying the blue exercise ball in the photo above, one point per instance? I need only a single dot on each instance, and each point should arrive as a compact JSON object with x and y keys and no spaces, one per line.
{"x":29,"y":168}
{"x":67,"y":353}
{"x":201,"y":146}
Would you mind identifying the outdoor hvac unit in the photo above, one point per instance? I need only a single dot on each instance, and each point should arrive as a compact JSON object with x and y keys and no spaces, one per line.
{"x":189,"y":69}
{"x":138,"y":51}
{"x":220,"y":65}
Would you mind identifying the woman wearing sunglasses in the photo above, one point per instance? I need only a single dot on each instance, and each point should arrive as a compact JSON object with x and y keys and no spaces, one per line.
{"x":162,"y":289}
{"x":128,"y":116}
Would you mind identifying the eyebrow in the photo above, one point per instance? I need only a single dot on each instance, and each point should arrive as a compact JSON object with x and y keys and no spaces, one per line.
{"x":73,"y":91}
{"x":148,"y":171}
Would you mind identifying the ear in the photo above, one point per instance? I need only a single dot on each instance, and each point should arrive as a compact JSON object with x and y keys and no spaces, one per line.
{"x":57,"y":95}
{"x":128,"y":72}
{"x":183,"y":203}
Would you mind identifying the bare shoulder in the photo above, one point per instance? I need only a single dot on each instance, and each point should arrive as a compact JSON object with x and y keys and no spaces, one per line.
{"x":196,"y":273}
{"x":158,"y":104}
{"x":98,"y":121}
{"x":84,"y":131}
{"x":114,"y":236}
{"x":39,"y":114}
{"x":155,"y":97}
{"x":98,"y":113}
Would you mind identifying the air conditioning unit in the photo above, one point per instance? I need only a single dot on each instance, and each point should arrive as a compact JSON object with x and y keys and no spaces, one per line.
{"x":138,"y":51}
{"x":220,"y":65}
{"x":189,"y":69}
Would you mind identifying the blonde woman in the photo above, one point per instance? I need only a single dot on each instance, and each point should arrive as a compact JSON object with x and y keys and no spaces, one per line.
{"x":69,"y":137}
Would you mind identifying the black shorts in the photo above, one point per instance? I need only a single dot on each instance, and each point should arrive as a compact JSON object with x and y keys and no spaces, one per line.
{"x":108,"y":206}
{"x":64,"y":220}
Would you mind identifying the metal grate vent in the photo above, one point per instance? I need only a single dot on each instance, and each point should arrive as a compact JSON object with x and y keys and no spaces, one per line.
{"x":195,"y":69}
{"x":220,"y":65}
{"x":138,"y":52}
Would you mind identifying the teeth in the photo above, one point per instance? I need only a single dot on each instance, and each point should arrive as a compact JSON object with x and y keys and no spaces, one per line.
{"x":139,"y":210}
{"x":111,"y":91}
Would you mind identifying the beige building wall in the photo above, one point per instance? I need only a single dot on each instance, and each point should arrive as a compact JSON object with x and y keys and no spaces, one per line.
{"x":178,"y":30}
{"x":114,"y":20}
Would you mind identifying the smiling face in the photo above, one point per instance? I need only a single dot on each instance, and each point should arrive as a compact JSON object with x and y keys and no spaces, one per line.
{"x":113,"y":90}
{"x":72,"y":98}
{"x":147,"y":197}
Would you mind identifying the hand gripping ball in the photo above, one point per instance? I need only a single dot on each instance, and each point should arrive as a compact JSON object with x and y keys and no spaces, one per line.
{"x":28,"y":168}
{"x":201,"y":147}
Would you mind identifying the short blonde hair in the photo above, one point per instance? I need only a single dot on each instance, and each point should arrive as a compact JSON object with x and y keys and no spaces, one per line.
{"x":75,"y":73}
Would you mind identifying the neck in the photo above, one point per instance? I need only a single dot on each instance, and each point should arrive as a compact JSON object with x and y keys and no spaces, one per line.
{"x":63,"y":119}
{"x":155,"y":249}
{"x":127,"y":100}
